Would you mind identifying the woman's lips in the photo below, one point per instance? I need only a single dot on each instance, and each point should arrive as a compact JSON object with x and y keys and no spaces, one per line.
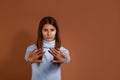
{"x":49,"y":37}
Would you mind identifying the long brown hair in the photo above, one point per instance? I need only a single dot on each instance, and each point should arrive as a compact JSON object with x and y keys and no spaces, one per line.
{"x":52,"y":21}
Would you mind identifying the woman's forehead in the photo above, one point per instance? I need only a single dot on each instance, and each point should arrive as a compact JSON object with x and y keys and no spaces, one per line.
{"x":48,"y":26}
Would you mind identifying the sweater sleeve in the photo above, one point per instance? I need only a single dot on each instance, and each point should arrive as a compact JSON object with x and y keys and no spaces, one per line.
{"x":67,"y":53}
{"x":28,"y":50}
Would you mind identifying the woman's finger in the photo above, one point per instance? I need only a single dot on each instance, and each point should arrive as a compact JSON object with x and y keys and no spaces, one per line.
{"x":56,"y":50}
{"x":63,"y":55}
{"x":34,"y":50}
{"x":41,"y":54}
{"x":39,"y":51}
{"x":51,"y":53}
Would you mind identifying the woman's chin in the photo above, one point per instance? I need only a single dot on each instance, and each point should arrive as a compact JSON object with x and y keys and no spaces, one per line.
{"x":49,"y":40}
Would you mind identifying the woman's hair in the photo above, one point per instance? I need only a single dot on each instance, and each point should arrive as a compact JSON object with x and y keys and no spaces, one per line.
{"x":52,"y":21}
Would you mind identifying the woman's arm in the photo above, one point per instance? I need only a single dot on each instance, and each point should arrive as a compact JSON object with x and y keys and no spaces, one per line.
{"x":60,"y":55}
{"x":33,"y":55}
{"x":67,"y":54}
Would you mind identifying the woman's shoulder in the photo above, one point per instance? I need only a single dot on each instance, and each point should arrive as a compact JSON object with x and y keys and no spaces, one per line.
{"x":32,"y":46}
{"x":63,"y":48}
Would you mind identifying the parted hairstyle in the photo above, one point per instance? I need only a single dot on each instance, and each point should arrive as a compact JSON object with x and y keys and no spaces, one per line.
{"x":53,"y":22}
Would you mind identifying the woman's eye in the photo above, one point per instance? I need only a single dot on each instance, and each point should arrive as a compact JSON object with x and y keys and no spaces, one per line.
{"x":45,"y":30}
{"x":52,"y":29}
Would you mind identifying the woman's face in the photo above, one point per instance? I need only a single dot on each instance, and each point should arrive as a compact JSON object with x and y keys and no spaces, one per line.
{"x":48,"y":32}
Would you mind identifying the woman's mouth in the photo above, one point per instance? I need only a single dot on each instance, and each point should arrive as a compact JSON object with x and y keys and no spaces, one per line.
{"x":49,"y":37}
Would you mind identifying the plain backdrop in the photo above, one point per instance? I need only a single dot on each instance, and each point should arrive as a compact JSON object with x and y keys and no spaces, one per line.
{"x":90,"y":29}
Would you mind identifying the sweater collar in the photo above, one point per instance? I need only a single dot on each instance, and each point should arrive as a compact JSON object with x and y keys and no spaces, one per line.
{"x":48,"y":44}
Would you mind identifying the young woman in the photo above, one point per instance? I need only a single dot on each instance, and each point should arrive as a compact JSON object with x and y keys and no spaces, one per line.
{"x":47,"y":55}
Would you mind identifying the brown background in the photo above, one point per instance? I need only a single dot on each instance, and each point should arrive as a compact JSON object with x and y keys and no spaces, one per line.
{"x":89,"y":29}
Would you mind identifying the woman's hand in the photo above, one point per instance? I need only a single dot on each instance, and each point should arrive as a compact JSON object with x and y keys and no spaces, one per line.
{"x":35,"y":56}
{"x":59,"y":57}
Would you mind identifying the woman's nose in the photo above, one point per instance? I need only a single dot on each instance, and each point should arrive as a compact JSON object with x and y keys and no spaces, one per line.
{"x":49,"y":33}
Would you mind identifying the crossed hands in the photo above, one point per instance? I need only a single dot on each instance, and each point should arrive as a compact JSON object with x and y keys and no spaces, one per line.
{"x":35,"y":56}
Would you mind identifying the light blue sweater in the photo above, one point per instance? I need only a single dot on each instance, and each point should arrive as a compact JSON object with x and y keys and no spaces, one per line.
{"x":47,"y":70}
